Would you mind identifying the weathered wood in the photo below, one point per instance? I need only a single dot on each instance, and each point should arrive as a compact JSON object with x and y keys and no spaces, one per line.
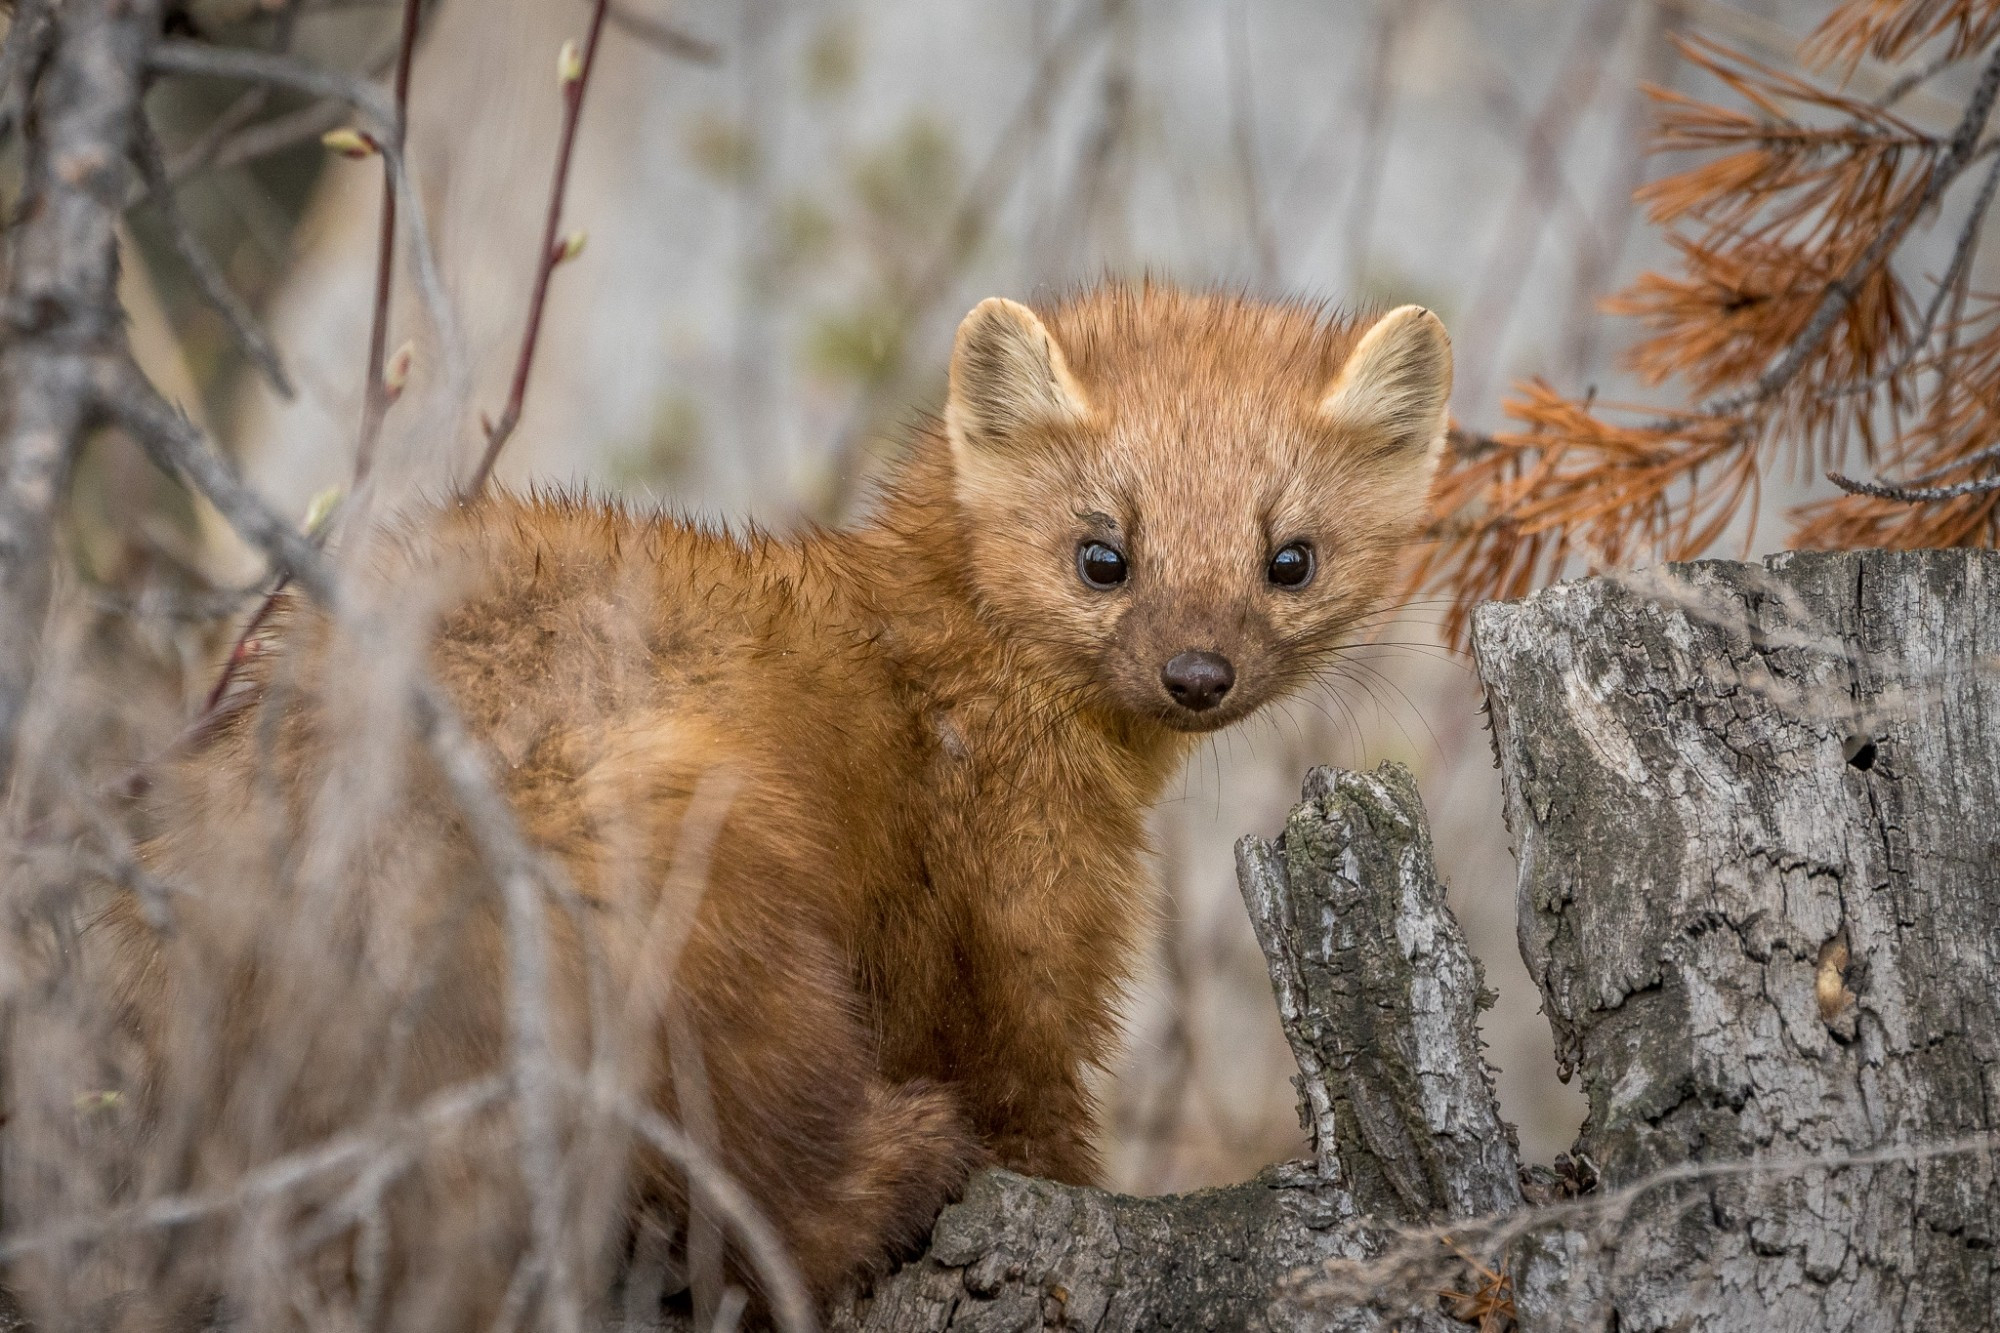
{"x":1757,"y":813}
{"x":60,"y":307}
{"x":1379,"y":997}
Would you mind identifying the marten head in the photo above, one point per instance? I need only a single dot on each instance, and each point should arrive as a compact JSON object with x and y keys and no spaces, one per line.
{"x":1183,"y":503}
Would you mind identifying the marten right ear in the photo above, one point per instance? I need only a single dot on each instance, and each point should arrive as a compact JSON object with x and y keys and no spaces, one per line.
{"x":1396,"y":385}
{"x":1008,"y":376}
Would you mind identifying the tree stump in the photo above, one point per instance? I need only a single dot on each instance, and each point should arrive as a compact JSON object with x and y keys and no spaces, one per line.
{"x":1757,"y":817}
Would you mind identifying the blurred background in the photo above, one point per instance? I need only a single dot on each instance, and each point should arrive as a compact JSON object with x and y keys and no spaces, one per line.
{"x":789,"y":205}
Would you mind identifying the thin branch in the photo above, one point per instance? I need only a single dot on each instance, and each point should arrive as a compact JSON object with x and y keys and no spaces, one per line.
{"x":1243,"y":138}
{"x":1393,"y":18}
{"x":514,"y":866}
{"x":273,"y":1180}
{"x":26,"y":47}
{"x":1413,"y":1250}
{"x":1538,"y":190}
{"x":176,"y":445}
{"x":789,"y":1304}
{"x":1914,"y":494}
{"x":1991,"y":453}
{"x":238,"y":113}
{"x":969,"y":216}
{"x":236,"y":146}
{"x":375,"y":396}
{"x":207,"y":275}
{"x":202,"y":60}
{"x":61,"y":306}
{"x":1906,"y":84}
{"x":553,"y":253}
{"x":664,"y":36}
{"x":1962,"y":254}
{"x":1963,"y":146}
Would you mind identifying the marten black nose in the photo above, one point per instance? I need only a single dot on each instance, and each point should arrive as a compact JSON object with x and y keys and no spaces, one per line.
{"x":1198,"y":680}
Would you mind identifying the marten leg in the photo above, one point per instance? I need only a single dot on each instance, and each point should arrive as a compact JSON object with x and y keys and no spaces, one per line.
{"x":850,"y":1169}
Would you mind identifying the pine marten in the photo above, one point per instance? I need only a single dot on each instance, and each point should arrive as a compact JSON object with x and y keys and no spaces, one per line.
{"x":853,"y":821}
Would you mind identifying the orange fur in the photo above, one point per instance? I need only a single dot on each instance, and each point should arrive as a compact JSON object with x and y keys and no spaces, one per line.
{"x":925,"y":746}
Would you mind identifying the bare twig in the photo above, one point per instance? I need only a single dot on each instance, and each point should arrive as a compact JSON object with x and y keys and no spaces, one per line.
{"x":176,"y":444}
{"x":1540,"y":186}
{"x":664,"y":36}
{"x":1906,"y":84}
{"x":27,"y":45}
{"x":1611,"y":221}
{"x":122,"y":391}
{"x":1243,"y":140}
{"x":514,"y":865}
{"x":207,"y":275}
{"x":125,"y":393}
{"x":1392,"y":19}
{"x":230,"y":62}
{"x":1416,"y":1251}
{"x":399,"y":200}
{"x":272,"y":1180}
{"x":553,"y":253}
{"x":1963,"y":250}
{"x":225,"y":145}
{"x":1990,"y":454}
{"x":237,"y":114}
{"x":61,"y":306}
{"x":1914,"y":494}
{"x":375,"y":396}
{"x":706,"y":1178}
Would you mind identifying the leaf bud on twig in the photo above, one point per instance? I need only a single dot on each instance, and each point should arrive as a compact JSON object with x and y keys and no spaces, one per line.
{"x":396,"y":375}
{"x":570,"y":246}
{"x":321,"y":509}
{"x":350,"y":143}
{"x":569,"y":65}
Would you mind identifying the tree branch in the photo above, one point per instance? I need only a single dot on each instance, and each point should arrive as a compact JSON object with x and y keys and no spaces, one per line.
{"x":553,"y":254}
{"x":663,"y":36}
{"x":27,"y":46}
{"x":61,"y":305}
{"x":1914,"y":494}
{"x":375,"y":395}
{"x":1959,"y":152}
{"x":208,"y":278}
{"x":202,"y":60}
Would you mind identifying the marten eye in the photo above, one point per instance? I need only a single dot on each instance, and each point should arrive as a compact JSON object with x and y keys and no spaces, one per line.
{"x":1100,"y":565}
{"x":1292,"y":566}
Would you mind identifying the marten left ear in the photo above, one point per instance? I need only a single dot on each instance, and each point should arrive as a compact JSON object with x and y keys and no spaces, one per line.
{"x":1008,"y":377}
{"x":1396,"y":385}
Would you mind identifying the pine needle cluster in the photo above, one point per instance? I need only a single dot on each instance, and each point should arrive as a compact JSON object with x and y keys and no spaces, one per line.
{"x":1791,"y":331}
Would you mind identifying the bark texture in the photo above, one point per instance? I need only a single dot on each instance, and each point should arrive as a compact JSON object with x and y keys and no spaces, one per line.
{"x":61,"y":308}
{"x":1757,"y":815}
{"x":1380,"y":998}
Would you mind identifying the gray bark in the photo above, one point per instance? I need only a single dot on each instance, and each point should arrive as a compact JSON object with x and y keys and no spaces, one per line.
{"x":1757,"y":814}
{"x":1379,"y":997}
{"x":61,"y":307}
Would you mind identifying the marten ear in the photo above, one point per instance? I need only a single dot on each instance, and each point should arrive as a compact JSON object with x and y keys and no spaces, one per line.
{"x":1396,"y":385}
{"x":1007,"y":375}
